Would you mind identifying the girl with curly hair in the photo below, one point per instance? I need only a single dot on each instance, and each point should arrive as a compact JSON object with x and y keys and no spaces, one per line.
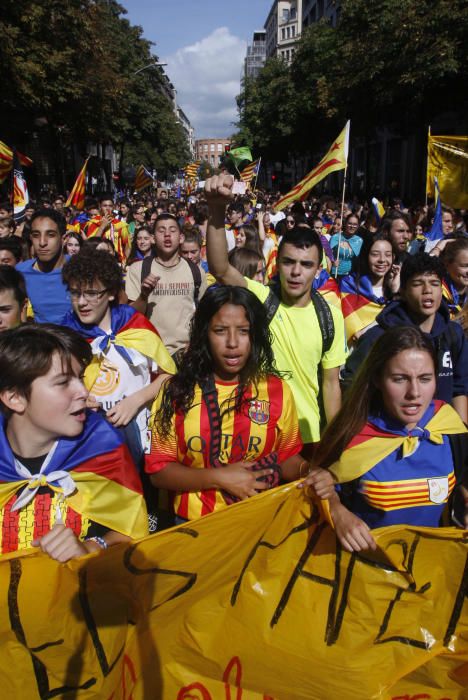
{"x":225,"y":426}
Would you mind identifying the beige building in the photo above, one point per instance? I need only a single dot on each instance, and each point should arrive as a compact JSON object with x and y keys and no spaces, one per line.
{"x":283,"y":29}
{"x":211,"y":150}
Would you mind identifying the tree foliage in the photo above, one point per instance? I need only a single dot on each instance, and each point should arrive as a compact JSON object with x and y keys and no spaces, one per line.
{"x":386,"y":63}
{"x":74,"y":65}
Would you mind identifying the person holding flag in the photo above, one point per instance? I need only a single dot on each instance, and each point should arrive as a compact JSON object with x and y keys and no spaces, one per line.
{"x":106,"y":225}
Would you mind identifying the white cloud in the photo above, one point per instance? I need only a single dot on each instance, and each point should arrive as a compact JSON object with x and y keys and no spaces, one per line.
{"x":207,"y":76}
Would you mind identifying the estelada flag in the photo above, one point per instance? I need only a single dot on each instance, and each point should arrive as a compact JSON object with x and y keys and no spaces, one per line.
{"x":372,"y":444}
{"x":143,"y":178}
{"x":335,"y":159}
{"x":130,"y":331}
{"x":447,"y":160}
{"x":379,"y":208}
{"x":328,"y":287}
{"x":93,"y":471}
{"x":77,"y":195}
{"x":251,"y":171}
{"x":6,"y":160}
{"x":359,"y":304}
{"x":20,"y":191}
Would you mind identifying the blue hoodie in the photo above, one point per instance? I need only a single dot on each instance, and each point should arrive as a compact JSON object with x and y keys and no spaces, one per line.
{"x":446,"y":336}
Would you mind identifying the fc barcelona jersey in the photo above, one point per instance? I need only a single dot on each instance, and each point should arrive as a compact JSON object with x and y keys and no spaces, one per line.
{"x":266,"y":423}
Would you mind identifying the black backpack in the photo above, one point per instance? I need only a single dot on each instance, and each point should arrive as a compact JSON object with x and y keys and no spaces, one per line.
{"x":322,"y":309}
{"x":196,"y":274}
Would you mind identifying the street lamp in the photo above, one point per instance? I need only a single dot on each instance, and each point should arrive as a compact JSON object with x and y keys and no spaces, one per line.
{"x":150,"y":65}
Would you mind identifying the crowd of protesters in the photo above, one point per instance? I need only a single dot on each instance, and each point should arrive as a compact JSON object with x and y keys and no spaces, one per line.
{"x":187,"y":352}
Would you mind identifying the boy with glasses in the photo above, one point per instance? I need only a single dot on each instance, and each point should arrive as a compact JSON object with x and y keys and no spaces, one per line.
{"x":125,"y":374}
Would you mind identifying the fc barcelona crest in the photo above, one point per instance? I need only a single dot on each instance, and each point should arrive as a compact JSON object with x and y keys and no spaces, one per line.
{"x":259,"y":411}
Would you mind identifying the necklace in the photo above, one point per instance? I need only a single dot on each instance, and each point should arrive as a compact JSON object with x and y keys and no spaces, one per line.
{"x":168,"y":266}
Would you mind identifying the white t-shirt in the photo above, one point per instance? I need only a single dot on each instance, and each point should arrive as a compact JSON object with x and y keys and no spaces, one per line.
{"x":118,"y":379}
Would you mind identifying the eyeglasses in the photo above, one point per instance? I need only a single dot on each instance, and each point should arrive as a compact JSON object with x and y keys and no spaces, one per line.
{"x":90,"y":295}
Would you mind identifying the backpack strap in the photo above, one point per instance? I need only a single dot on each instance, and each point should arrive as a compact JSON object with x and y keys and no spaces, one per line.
{"x":146,"y":266}
{"x":325,"y":319}
{"x":322,"y":309}
{"x":271,"y":304}
{"x":197,"y":279}
{"x":195,"y":270}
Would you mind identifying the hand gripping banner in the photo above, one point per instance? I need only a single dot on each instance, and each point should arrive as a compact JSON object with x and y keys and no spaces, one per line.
{"x":255,"y":602}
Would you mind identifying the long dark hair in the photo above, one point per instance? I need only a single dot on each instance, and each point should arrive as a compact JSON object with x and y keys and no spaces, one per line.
{"x":360,"y":264}
{"x":364,"y":396}
{"x":196,"y":365}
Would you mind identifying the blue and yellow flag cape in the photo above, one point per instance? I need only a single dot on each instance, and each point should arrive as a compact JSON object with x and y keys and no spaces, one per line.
{"x":373,"y":444}
{"x":108,"y":488}
{"x":359,"y":304}
{"x":130,"y":330}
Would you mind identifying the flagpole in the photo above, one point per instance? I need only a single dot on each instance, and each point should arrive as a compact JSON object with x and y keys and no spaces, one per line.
{"x":427,"y":159}
{"x":342,"y":220}
{"x":258,"y":170}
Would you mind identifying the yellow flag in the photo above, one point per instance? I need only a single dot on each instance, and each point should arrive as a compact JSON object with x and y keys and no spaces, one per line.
{"x":447,"y":160}
{"x":255,"y":602}
{"x":335,"y":159}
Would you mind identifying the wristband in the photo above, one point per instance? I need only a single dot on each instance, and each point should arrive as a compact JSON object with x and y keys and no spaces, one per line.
{"x":99,"y":540}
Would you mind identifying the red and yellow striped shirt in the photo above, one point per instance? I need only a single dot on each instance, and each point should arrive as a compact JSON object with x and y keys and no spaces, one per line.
{"x":267,"y":423}
{"x":117,"y":232}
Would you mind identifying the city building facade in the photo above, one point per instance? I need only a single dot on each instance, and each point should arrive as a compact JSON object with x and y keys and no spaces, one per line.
{"x":314,"y":10}
{"x":188,"y":129}
{"x":211,"y":150}
{"x":283,"y":29}
{"x":256,"y":54}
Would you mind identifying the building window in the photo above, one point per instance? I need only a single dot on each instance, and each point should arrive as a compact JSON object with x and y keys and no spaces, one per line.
{"x":293,"y":31}
{"x":220,"y":147}
{"x":285,"y":15}
{"x":288,"y":32}
{"x":212,"y":148}
{"x":212,"y":159}
{"x":205,"y":147}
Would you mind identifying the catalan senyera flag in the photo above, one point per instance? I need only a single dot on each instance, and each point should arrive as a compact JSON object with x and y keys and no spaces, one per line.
{"x":94,"y":477}
{"x":77,"y":195}
{"x":130,"y":330}
{"x":447,"y":160}
{"x":143,"y":178}
{"x":335,"y":159}
{"x":436,"y":233}
{"x":251,"y":171}
{"x":6,"y":160}
{"x":255,"y":602}
{"x":359,"y":304}
{"x":20,"y":191}
{"x":379,"y":208}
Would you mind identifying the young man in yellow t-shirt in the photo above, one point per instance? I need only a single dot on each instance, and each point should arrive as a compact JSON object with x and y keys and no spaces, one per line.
{"x":297,"y":337}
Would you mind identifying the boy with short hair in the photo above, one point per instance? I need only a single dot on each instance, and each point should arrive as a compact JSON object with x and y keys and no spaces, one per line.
{"x":7,"y":226}
{"x":129,"y":361}
{"x":422,"y":305}
{"x":13,"y":298}
{"x":55,"y":457}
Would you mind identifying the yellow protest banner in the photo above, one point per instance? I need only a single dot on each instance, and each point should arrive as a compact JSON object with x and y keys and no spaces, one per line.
{"x":255,"y":602}
{"x":447,"y":160}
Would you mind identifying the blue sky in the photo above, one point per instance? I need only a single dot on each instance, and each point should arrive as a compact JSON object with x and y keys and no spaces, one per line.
{"x":204,"y":44}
